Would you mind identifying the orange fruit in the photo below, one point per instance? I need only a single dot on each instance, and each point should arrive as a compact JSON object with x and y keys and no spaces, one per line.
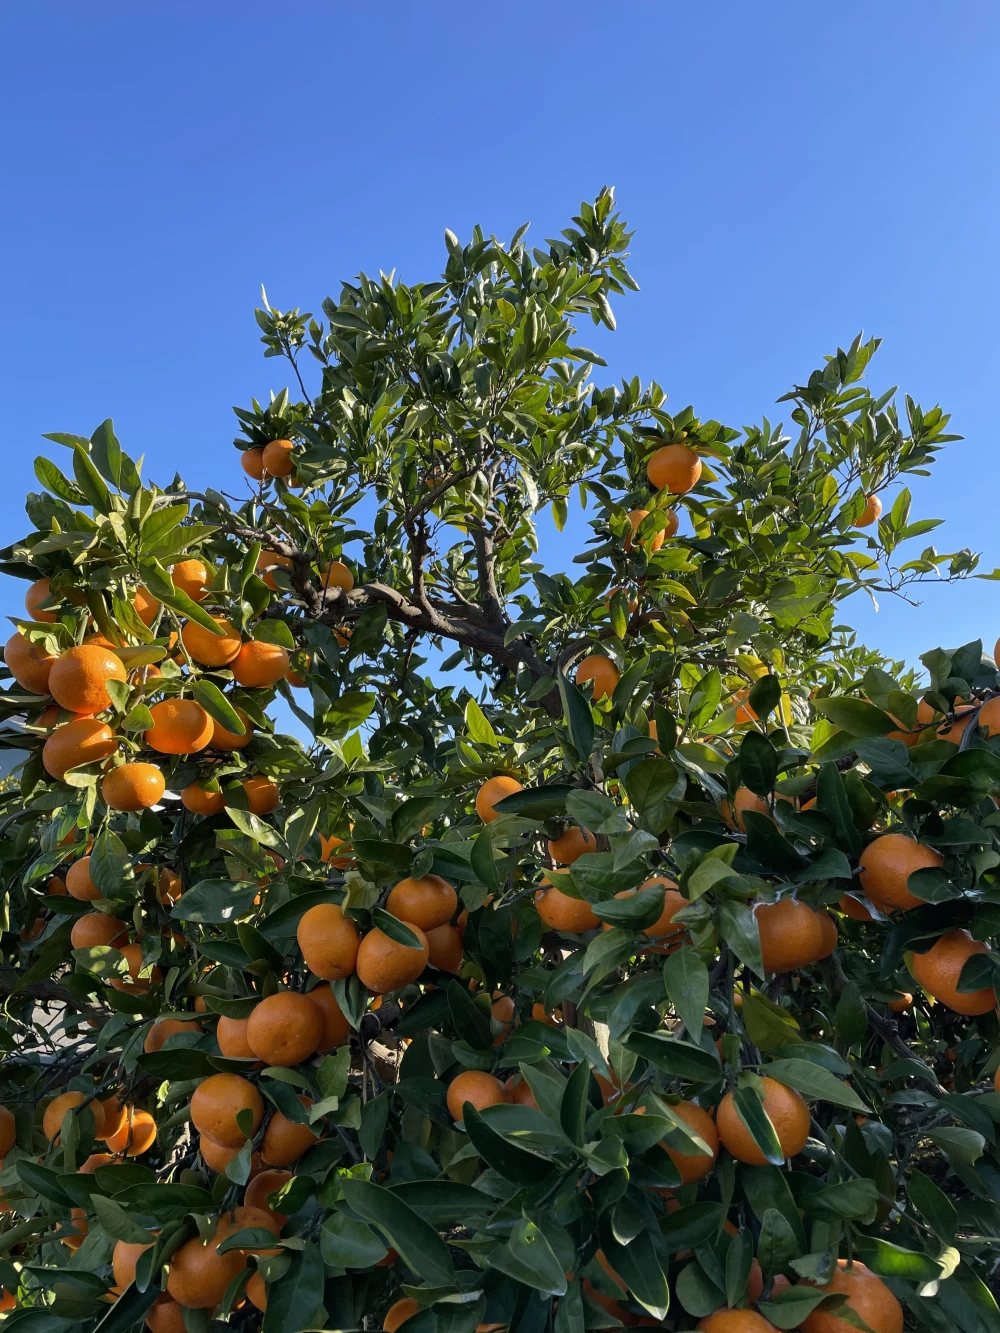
{"x":208,"y":649}
{"x":398,"y":1313}
{"x":693,"y":1165}
{"x":256,"y":1291}
{"x":169,"y":886}
{"x":96,"y":928}
{"x":445,"y":951}
{"x":166,"y":1316}
{"x":336,"y":1028}
{"x":215,"y":1104}
{"x":329,"y":941}
{"x":674,"y":468}
{"x":56,"y":888}
{"x":871,"y":511}
{"x":561,"y":912}
{"x":8,"y":1131}
{"x":132,"y":953}
{"x":885,"y":866}
{"x":115,"y":1115}
{"x":145,"y":605}
{"x":223,"y":739}
{"x":167,"y":1027}
{"x":79,"y":1225}
{"x":277,"y":458}
{"x":867,"y":1295}
{"x":77,"y":678}
{"x":133,"y":787}
{"x":787,"y":1112}
{"x":267,"y":562}
{"x":830,"y":932}
{"x":199,"y":801}
{"x":28,"y":663}
{"x":263,"y":1184}
{"x":258,"y":664}
{"x":284,"y":1029}
{"x":668,"y":937}
{"x":337,"y":575}
{"x":217,"y":1156}
{"x":263,"y":795}
{"x":79,"y":885}
{"x":60,"y":1107}
{"x":602,"y":672}
{"x":425,"y":902}
{"x":231,"y":1034}
{"x":284,"y":1141}
{"x":571,"y":844}
{"x":901,"y":1003}
{"x":735,"y":1321}
{"x":938,"y":971}
{"x":383,"y":965}
{"x":492,"y":791}
{"x":95,"y":1160}
{"x":477,"y":1087}
{"x":82,"y":741}
{"x":124,"y":1260}
{"x":854,"y":908}
{"x":199,"y":1274}
{"x":791,"y":935}
{"x":38,"y":592}
{"x":180,"y":726}
{"x":327,"y":848}
{"x":193,"y":577}
{"x":651,"y":544}
{"x":743,"y":801}
{"x":252,"y":463}
{"x":502,"y":1010}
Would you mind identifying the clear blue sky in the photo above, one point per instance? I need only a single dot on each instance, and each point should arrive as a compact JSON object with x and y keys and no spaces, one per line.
{"x":795,"y":172}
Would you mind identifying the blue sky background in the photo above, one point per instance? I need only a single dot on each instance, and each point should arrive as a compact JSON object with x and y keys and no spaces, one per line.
{"x":795,"y":172}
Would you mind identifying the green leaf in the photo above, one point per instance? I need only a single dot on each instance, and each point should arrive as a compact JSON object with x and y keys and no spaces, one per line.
{"x":856,"y":1200}
{"x":396,"y":930}
{"x":788,"y":1309}
{"x":758,"y":763}
{"x":217,"y":706}
{"x":739,"y":1258}
{"x":888,"y":1260}
{"x":686,"y":979}
{"x":682,"y":1059}
{"x":750,"y":1109}
{"x":117,"y":1223}
{"x":519,"y":1165}
{"x":478,"y":727}
{"x":692,"y":1225}
{"x":638,"y":1266}
{"x":471,"y":1023}
{"x":579,"y":718}
{"x":738,"y":927}
{"x":815,"y":1081}
{"x":765,"y":695}
{"x":767,"y":1024}
{"x":533,"y":1260}
{"x":417,"y":1243}
{"x":934,"y":1206}
{"x":777,"y":1244}
{"x":53,"y":480}
{"x":852,"y":1014}
{"x":697,"y":1293}
{"x":855,"y":716}
{"x":347,"y":1243}
{"x":297,"y":1296}
{"x":108,"y":860}
{"x":637,"y":912}
{"x":90,"y":482}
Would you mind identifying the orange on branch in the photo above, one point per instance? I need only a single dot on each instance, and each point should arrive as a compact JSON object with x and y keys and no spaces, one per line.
{"x":477,"y":1087}
{"x":885,"y":866}
{"x":252,"y":463}
{"x":261,"y":1186}
{"x":867,"y":1297}
{"x":871,"y":512}
{"x":694,"y":1165}
{"x":94,"y":928}
{"x":384,"y":965}
{"x":133,"y":787}
{"x":78,"y":678}
{"x":37,"y":593}
{"x":180,"y":726}
{"x":491,"y":792}
{"x":215,"y":1104}
{"x":336,"y":1028}
{"x":208,"y":649}
{"x":649,"y":544}
{"x":674,"y":468}
{"x":82,"y":741}
{"x":791,"y":935}
{"x":167,"y":1027}
{"x":263,"y":795}
{"x":284,"y":1029}
{"x":425,"y":902}
{"x":571,"y":844}
{"x":28,"y":663}
{"x":787,"y":1112}
{"x":277,"y":458}
{"x":329,"y":941}
{"x":601,"y":672}
{"x":196,"y":798}
{"x":560,"y":911}
{"x":338,"y":575}
{"x":65,"y":1104}
{"x":284,"y":1141}
{"x":938,"y":971}
{"x":192,"y":577}
{"x":259,"y":664}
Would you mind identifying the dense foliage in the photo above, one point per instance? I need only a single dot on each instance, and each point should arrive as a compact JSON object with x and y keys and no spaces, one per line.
{"x":644,"y":978}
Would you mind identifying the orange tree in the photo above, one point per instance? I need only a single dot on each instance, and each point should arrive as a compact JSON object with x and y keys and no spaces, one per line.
{"x":643,"y":979}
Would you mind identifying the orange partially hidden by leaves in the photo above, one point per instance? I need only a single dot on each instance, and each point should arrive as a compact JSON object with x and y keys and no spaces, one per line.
{"x":666,"y":935}
{"x":82,"y":741}
{"x":263,"y":795}
{"x":277,"y":458}
{"x":735,"y":1321}
{"x":134,"y":981}
{"x":166,"y":1316}
{"x":694,"y":1165}
{"x":259,"y":664}
{"x":78,"y":678}
{"x":123,"y":1261}
{"x":60,"y":1107}
{"x":145,"y":605}
{"x":571,"y":844}
{"x":284,"y":1029}
{"x":397,"y":1314}
{"x":329,"y":941}
{"x":854,"y":908}
{"x":867,"y":1296}
{"x":256,"y":1291}
{"x":284,"y":1140}
{"x":96,"y":928}
{"x":167,"y":1027}
{"x":885,"y":866}
{"x":902,"y":1002}
{"x":267,"y":563}
{"x":675,"y":468}
{"x":491,"y":792}
{"x":477,"y":1087}
{"x":199,"y":1274}
{"x":791,"y":935}
{"x":337,"y":575}
{"x":210,"y":649}
{"x":8,"y":1131}
{"x":327,"y":848}
{"x":28,"y":663}
{"x":336,"y":1028}
{"x":385,"y":965}
{"x":445,"y":950}
{"x":224,"y":739}
{"x":133,"y":787}
{"x":38,"y":592}
{"x":649,"y":544}
{"x":180,"y":726}
{"x":425,"y":902}
{"x":743,"y":801}
{"x":192,"y":577}
{"x":217,"y":1101}
{"x":562,"y":912}
{"x":200,"y":801}
{"x":787,"y":1112}
{"x":939,"y":969}
{"x":871,"y":512}
{"x":264,"y":1184}
{"x":603,"y":674}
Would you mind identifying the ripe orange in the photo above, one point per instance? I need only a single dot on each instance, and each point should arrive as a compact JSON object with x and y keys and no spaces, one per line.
{"x":277,"y":458}
{"x":572,"y":843}
{"x":124,"y":1260}
{"x":132,"y":953}
{"x":115,"y":1115}
{"x":284,"y":1141}
{"x":692,"y":1165}
{"x":231,"y":1034}
{"x":735,"y":1321}
{"x":169,"y":886}
{"x":79,"y":885}
{"x":938,"y":971}
{"x":38,"y":592}
{"x":256,"y":1291}
{"x":673,"y":467}
{"x":96,"y":928}
{"x":95,"y":1160}
{"x":477,"y":1087}
{"x":602,"y":672}
{"x":561,"y":912}
{"x":901,"y":1003}
{"x":871,"y":511}
{"x":743,"y":801}
{"x":217,"y":1156}
{"x":885,"y":866}
{"x":180,"y":726}
{"x":210,"y":649}
{"x":383,"y":965}
{"x":167,"y":1027}
{"x":867,"y":1295}
{"x":284,"y":1029}
{"x":854,"y":908}
{"x":258,"y":664}
{"x":215,"y":1104}
{"x":831,"y":934}
{"x":193,"y":577}
{"x":425,"y":902}
{"x":397,"y":1314}
{"x":336,"y":1028}
{"x":337,"y":575}
{"x":787,"y":1112}
{"x":82,"y":741}
{"x":650,"y":544}
{"x":199,"y":801}
{"x":145,"y":605}
{"x":262,"y":794}
{"x":166,"y":1316}
{"x":445,"y":950}
{"x":60,"y":1107}
{"x":8,"y":1131}
{"x":264,"y":1184}
{"x":28,"y":663}
{"x":502,"y":1009}
{"x":492,"y":791}
{"x":252,"y":463}
{"x":222,"y":739}
{"x":668,"y":937}
{"x":77,"y":678}
{"x":791,"y":935}
{"x":78,"y":1223}
{"x":133,"y":787}
{"x":327,"y":847}
{"x":329,"y":941}
{"x":267,"y":562}
{"x":199,"y":1274}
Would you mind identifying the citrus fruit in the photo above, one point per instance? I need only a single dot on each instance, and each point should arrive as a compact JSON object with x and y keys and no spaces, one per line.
{"x":938,"y":971}
{"x":192,"y":577}
{"x":735,"y":1321}
{"x":256,"y":1291}
{"x":871,"y":511}
{"x":79,"y":885}
{"x":491,"y":792}
{"x":601,"y":672}
{"x":200,"y":801}
{"x":258,"y":664}
{"x":791,"y":935}
{"x":425,"y":902}
{"x":787,"y":1112}
{"x":231,"y":1034}
{"x":277,"y":458}
{"x":561,"y":912}
{"x":39,"y":592}
{"x":329,"y":941}
{"x":28,"y":663}
{"x":124,"y":1259}
{"x":571,"y":844}
{"x":885,"y":866}
{"x":77,"y":678}
{"x":445,"y":950}
{"x":180,"y":726}
{"x":284,"y":1141}
{"x":82,"y":741}
{"x":133,"y":787}
{"x":693,"y":1165}
{"x":674,"y":468}
{"x":215,"y":1104}
{"x":666,"y":935}
{"x":199,"y":1274}
{"x":650,"y":544}
{"x":263,"y":795}
{"x":385,"y":965}
{"x":167,"y":1027}
{"x":397,"y":1314}
{"x":337,"y":575}
{"x":477,"y":1087}
{"x":854,"y":908}
{"x":336,"y":1028}
{"x":8,"y":1131}
{"x":284,"y":1029}
{"x":60,"y":1107}
{"x":166,"y":1316}
{"x":224,"y":739}
{"x":328,"y":847}
{"x":901,"y":1003}
{"x":208,"y":648}
{"x":95,"y":928}
{"x":867,"y":1296}
{"x":261,"y":1186}
{"x":252,"y":463}
{"x":145,"y":605}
